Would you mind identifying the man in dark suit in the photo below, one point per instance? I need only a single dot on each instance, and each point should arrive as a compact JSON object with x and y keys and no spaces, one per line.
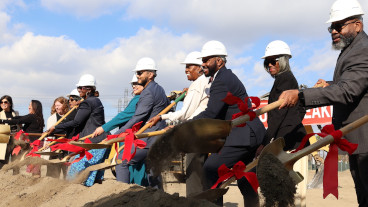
{"x":348,"y":90}
{"x":151,"y":102}
{"x":242,"y":142}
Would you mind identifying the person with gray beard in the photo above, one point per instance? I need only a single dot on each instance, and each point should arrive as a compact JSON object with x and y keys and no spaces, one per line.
{"x":348,"y":90}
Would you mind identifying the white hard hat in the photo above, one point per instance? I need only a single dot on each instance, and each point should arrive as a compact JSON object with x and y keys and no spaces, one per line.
{"x":193,"y":58}
{"x":213,"y":48}
{"x":134,"y":79}
{"x":145,"y":63}
{"x":87,"y":80}
{"x":74,"y":92}
{"x":342,"y":9}
{"x":277,"y":47}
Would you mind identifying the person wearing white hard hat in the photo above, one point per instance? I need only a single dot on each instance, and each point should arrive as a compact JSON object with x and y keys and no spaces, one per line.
{"x":124,"y":116}
{"x":195,"y":102}
{"x":196,"y":98}
{"x":139,"y":176}
{"x":151,"y":102}
{"x":286,"y":123}
{"x":347,"y":92}
{"x":90,"y":115}
{"x":242,"y":142}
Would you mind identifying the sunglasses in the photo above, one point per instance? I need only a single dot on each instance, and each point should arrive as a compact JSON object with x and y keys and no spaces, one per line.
{"x":4,"y":102}
{"x":134,"y":84}
{"x":139,"y":73}
{"x":71,"y":99}
{"x":272,"y":61}
{"x":82,"y":88}
{"x":338,"y":27}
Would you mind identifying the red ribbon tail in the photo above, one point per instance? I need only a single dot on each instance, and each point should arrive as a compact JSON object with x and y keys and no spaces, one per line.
{"x":330,"y":179}
{"x":16,"y":150}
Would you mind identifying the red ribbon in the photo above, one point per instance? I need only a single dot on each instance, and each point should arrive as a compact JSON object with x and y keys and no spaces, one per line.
{"x":35,"y":145}
{"x":330,"y":179}
{"x":237,"y":171}
{"x":243,"y":106}
{"x":19,"y":133}
{"x":130,"y":139}
{"x":16,"y":150}
{"x":72,"y":148}
{"x":113,"y":136}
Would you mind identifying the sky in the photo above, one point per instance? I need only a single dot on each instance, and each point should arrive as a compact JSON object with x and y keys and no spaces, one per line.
{"x":46,"y":45}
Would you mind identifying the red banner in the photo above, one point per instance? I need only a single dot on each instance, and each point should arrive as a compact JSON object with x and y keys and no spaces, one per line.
{"x":315,"y":116}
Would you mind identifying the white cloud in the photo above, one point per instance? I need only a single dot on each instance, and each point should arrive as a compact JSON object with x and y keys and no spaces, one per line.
{"x":47,"y":67}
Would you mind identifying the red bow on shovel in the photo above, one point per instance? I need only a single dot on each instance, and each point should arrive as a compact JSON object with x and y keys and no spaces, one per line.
{"x":35,"y":145}
{"x":237,"y":171}
{"x":72,"y":148}
{"x":330,"y":179}
{"x":243,"y":106}
{"x":130,"y":139}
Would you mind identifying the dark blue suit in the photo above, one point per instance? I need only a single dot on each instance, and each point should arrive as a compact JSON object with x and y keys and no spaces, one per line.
{"x":151,"y":102}
{"x":242,"y":142}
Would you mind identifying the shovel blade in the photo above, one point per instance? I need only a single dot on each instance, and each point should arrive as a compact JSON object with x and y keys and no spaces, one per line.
{"x":90,"y":146}
{"x":211,"y":194}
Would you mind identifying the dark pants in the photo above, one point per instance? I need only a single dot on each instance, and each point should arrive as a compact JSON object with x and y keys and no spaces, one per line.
{"x":230,"y":156}
{"x":359,"y":171}
{"x":122,"y":170}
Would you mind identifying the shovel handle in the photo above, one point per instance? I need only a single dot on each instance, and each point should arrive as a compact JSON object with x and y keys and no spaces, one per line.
{"x":328,"y":139}
{"x":58,"y":122}
{"x":260,"y":111}
{"x":163,"y":112}
{"x":232,"y":179}
{"x":139,"y":136}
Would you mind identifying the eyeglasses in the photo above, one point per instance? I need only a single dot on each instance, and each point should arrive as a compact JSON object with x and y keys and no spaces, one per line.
{"x":71,"y":99}
{"x":271,"y":61}
{"x":338,"y":27}
{"x":139,"y":73}
{"x":4,"y":102}
{"x":134,"y":84}
{"x":206,"y":61}
{"x":82,"y":88}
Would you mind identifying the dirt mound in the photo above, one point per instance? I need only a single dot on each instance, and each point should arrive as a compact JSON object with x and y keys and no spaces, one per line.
{"x":24,"y":190}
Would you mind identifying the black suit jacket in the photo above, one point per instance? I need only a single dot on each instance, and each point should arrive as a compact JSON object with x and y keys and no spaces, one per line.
{"x":286,"y":122}
{"x":226,"y":81}
{"x":348,"y":93}
{"x":90,"y":115}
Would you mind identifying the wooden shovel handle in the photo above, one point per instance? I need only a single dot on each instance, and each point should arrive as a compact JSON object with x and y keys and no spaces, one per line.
{"x":139,"y":136}
{"x":58,"y":122}
{"x":162,"y":112}
{"x":260,"y":111}
{"x":328,"y":139}
{"x":232,"y":179}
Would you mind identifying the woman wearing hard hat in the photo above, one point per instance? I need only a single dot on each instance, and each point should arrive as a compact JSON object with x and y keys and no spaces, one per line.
{"x":90,"y":116}
{"x":286,"y":123}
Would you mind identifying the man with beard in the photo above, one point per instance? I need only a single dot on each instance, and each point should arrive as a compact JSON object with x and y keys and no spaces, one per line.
{"x":348,"y":90}
{"x":242,"y":142}
{"x":151,"y":102}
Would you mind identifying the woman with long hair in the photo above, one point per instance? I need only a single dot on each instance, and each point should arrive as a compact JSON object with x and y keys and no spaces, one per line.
{"x":32,"y":123}
{"x":59,"y":108}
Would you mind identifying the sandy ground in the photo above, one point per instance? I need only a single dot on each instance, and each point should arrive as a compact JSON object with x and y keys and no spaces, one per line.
{"x":314,"y":197}
{"x":23,"y":190}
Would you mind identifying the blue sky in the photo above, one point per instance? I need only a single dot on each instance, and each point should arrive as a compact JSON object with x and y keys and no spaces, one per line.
{"x":46,"y":45}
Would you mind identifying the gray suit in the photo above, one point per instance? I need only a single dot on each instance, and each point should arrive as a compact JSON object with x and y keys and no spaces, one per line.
{"x":349,"y":97}
{"x":151,"y":102}
{"x":348,"y":93}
